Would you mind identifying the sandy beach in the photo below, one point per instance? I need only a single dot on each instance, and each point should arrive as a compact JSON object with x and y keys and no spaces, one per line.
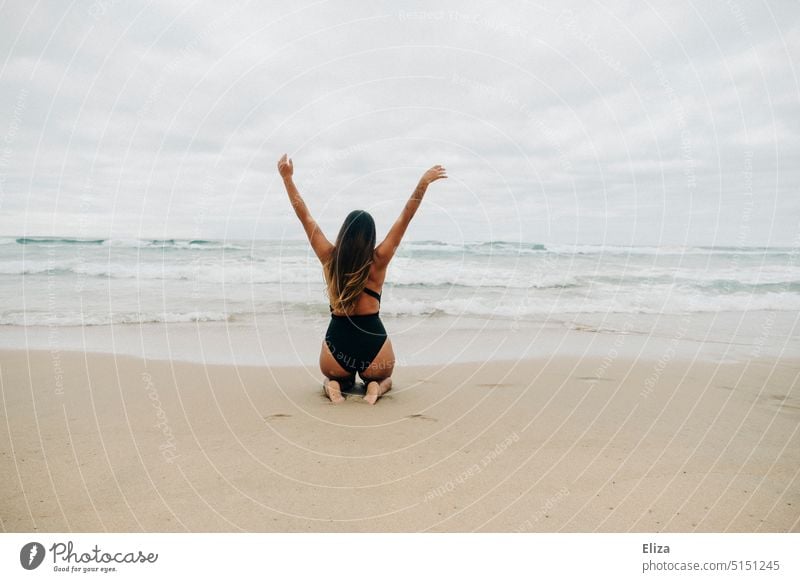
{"x":103,"y":442}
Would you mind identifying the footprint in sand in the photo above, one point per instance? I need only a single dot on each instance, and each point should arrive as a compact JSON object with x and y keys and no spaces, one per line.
{"x":276,"y":416}
{"x":782,"y":403}
{"x":421,"y":417}
{"x":579,"y":327}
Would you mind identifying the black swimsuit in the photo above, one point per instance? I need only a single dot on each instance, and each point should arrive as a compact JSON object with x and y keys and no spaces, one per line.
{"x":355,"y":340}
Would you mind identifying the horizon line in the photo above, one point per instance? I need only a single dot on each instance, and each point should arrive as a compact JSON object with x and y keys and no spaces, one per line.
{"x":298,"y":240}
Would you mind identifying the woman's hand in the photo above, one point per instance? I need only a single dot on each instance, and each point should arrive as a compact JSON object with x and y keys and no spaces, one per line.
{"x":435,"y":173}
{"x":285,"y":167}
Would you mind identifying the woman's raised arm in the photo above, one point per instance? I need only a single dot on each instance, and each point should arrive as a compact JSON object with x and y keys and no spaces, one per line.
{"x":385,"y":251}
{"x":321,"y":245}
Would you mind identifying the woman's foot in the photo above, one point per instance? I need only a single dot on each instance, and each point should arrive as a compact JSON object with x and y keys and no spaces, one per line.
{"x":333,"y":391}
{"x":377,"y":389}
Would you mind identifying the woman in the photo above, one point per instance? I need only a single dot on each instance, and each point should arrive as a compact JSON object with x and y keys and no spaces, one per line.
{"x":356,"y":341}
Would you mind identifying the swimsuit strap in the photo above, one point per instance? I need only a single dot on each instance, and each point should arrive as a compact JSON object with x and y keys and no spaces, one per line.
{"x":369,"y":292}
{"x":372,"y":293}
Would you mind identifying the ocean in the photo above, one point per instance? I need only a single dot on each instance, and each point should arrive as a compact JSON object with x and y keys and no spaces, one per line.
{"x":83,"y":282}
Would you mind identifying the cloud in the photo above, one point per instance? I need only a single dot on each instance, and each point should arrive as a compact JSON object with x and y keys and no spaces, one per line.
{"x":616,"y":123}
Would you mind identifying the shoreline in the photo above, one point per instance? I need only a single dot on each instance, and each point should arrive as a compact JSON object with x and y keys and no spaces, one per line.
{"x":561,"y":444}
{"x":715,"y":336}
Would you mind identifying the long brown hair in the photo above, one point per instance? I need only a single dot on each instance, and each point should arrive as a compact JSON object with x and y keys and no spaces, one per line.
{"x":347,"y":271}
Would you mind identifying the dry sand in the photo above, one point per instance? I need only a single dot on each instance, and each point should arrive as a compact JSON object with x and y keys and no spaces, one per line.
{"x":94,"y":442}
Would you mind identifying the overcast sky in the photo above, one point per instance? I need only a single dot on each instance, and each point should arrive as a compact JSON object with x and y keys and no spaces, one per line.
{"x":608,"y":122}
